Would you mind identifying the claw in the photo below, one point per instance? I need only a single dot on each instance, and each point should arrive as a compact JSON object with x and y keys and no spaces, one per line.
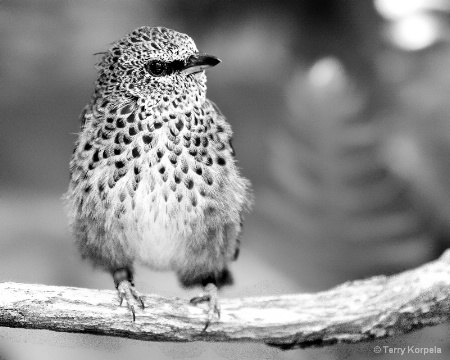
{"x":142,"y":302}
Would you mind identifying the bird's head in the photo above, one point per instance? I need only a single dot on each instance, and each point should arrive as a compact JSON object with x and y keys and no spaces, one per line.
{"x":154,"y":64}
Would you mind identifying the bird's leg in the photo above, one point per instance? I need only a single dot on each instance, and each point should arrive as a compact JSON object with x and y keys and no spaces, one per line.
{"x":211,"y":297}
{"x":123,"y":280}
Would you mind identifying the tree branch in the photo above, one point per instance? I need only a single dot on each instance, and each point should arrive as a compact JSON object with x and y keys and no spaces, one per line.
{"x":355,"y":311}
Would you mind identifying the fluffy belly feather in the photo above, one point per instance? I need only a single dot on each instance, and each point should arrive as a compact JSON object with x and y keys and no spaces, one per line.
{"x":162,"y":245}
{"x":164,"y":228}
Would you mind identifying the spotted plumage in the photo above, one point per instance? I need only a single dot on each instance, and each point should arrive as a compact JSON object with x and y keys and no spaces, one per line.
{"x":153,"y":174}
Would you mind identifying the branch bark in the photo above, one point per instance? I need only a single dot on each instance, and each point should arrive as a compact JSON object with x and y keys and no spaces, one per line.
{"x":355,"y":311}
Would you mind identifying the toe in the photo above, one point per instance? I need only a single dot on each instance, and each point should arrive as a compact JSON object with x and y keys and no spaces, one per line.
{"x":199,"y":299}
{"x":138,"y":296}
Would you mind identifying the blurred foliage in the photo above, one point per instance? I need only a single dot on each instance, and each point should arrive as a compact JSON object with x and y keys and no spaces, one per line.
{"x":340,"y":115}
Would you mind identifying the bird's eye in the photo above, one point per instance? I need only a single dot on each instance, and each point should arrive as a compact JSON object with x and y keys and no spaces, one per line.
{"x":156,"y":68}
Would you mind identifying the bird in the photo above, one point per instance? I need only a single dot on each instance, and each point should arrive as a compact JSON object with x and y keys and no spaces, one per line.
{"x":153,"y":175}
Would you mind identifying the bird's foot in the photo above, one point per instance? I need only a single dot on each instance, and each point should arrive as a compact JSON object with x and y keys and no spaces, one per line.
{"x":213,"y":304}
{"x":130,"y":294}
{"x":126,"y":290}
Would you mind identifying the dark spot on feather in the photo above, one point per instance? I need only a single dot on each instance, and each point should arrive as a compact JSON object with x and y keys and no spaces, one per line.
{"x":132,"y":131}
{"x":194,"y":201}
{"x":184,"y":167}
{"x":179,"y":125}
{"x":96,"y":157}
{"x":126,"y":139}
{"x":130,"y":118}
{"x":189,"y":184}
{"x":135,"y":152}
{"x":147,"y":139}
{"x":209,"y":180}
{"x":101,"y":186}
{"x":126,"y":109}
{"x":120,"y":164}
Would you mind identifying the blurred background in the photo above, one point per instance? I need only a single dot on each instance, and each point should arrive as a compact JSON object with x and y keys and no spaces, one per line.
{"x":340,"y":114}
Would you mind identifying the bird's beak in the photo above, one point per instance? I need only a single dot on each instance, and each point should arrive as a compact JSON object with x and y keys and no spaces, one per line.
{"x":199,"y":62}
